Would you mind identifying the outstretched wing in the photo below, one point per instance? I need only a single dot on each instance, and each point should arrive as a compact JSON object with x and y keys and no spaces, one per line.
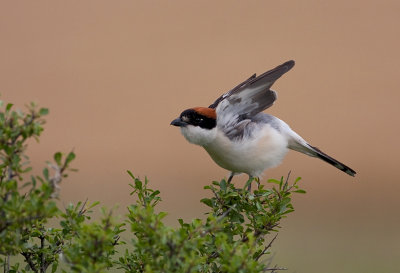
{"x":248,"y":98}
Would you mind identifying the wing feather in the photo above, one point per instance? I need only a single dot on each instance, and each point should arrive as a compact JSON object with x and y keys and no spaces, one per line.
{"x":249,"y":97}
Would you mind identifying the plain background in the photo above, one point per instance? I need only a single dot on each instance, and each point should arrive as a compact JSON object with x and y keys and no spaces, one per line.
{"x":115,"y":73}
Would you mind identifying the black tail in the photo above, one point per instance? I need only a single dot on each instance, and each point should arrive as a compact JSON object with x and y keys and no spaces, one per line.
{"x":333,"y":161}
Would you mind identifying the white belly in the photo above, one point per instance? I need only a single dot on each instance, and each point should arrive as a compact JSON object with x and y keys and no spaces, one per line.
{"x":251,"y":157}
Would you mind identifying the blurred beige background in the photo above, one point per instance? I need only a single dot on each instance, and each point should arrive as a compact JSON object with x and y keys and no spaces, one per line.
{"x":115,"y":73}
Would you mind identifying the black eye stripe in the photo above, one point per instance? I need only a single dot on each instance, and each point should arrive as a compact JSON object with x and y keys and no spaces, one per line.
{"x":194,"y":118}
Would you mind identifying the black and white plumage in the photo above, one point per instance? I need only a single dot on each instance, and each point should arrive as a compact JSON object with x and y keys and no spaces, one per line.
{"x":241,"y":138}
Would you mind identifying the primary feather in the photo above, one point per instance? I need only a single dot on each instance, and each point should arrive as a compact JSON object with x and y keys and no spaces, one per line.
{"x":248,"y":98}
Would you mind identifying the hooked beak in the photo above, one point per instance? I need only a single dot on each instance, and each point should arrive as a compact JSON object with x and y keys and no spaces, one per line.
{"x":178,"y":122}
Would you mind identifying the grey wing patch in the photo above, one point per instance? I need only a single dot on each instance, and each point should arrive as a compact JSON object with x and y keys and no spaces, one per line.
{"x":264,"y":118}
{"x":248,"y":127}
{"x":250,"y":97}
{"x":243,"y":129}
{"x":217,"y":101}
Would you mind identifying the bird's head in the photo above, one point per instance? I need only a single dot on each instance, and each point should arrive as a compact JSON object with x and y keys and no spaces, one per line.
{"x":198,"y":125}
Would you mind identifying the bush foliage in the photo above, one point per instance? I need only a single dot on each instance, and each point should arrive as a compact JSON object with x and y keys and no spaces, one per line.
{"x":235,"y":235}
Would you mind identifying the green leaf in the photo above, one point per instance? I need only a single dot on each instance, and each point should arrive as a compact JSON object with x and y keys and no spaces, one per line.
{"x":57,"y":158}
{"x":300,"y":191}
{"x":248,"y":183}
{"x":54,"y":267}
{"x":223,"y":185}
{"x":274,"y":181}
{"x":28,"y":169}
{"x":155,"y":193}
{"x":70,"y":157}
{"x":93,"y":204}
{"x":46,"y":174}
{"x":138,"y":184}
{"x":207,"y":202}
{"x":131,"y":175}
{"x":43,"y":111}
{"x":9,"y":106}
{"x":162,"y":214}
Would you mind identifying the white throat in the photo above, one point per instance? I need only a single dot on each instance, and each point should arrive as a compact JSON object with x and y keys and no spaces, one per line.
{"x":199,"y":136}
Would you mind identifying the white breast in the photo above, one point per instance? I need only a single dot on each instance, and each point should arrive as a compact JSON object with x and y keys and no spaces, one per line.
{"x":252,"y":156}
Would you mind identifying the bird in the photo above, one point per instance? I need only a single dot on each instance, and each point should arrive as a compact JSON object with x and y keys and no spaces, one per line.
{"x":239,"y":136}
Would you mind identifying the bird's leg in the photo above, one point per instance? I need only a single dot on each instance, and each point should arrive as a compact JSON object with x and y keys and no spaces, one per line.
{"x":230,"y":177}
{"x":257,"y":179}
{"x":249,"y":186}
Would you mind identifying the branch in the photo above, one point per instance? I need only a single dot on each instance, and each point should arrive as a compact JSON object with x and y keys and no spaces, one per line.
{"x":29,"y":261}
{"x":7,"y":264}
{"x":266,"y":248}
{"x":273,"y":269}
{"x":43,"y":264}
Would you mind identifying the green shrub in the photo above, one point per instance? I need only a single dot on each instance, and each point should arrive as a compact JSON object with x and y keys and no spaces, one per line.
{"x":235,"y":235}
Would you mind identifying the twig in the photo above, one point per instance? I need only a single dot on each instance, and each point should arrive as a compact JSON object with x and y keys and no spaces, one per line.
{"x":82,"y":210}
{"x":217,"y":197}
{"x":266,"y":248}
{"x":273,"y":269}
{"x":43,"y":264}
{"x":287,"y":180}
{"x":116,"y":239}
{"x":7,"y":264}
{"x":222,"y":216}
{"x":29,"y":261}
